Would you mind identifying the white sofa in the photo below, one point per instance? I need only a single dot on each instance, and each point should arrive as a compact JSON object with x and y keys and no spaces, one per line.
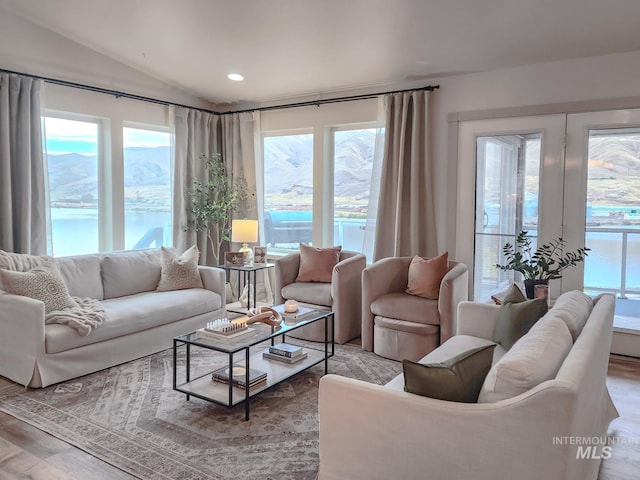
{"x":373,"y":432}
{"x":138,"y":320}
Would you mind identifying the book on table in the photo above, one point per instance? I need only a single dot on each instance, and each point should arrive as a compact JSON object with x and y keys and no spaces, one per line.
{"x":239,"y":376}
{"x":285,"y":350}
{"x":290,"y":360}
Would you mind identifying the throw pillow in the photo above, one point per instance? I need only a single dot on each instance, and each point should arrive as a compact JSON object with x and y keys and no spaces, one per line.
{"x":535,"y":358}
{"x":458,"y":379}
{"x":425,"y":275}
{"x":500,"y":294}
{"x":316,"y":264}
{"x":179,"y":272}
{"x":516,"y":316}
{"x":20,"y":262}
{"x":43,"y":283}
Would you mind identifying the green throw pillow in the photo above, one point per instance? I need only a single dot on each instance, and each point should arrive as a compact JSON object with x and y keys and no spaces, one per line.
{"x":459,"y":379}
{"x":517,"y":315}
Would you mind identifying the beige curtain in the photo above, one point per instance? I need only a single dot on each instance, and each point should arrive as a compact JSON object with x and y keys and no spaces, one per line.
{"x":22,"y":183}
{"x":405,"y":222}
{"x":196,"y":133}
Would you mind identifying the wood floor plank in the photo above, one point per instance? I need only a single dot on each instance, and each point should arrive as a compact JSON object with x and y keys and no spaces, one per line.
{"x":29,"y":453}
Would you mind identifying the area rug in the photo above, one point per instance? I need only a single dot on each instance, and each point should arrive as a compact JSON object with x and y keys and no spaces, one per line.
{"x":130,"y":417}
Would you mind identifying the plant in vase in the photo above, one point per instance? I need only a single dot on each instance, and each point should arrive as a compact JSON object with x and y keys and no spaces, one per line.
{"x":539,"y":266}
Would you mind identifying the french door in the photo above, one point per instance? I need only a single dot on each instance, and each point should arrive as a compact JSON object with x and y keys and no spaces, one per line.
{"x":602,"y":211}
{"x":574,"y":176}
{"x":509,"y":179}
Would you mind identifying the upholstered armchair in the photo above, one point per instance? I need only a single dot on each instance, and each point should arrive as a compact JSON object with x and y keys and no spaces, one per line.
{"x":398,"y":325}
{"x":342,"y":294}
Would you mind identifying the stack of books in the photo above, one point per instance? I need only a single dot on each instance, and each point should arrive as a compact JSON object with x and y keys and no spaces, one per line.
{"x":239,"y":376}
{"x":285,"y":352}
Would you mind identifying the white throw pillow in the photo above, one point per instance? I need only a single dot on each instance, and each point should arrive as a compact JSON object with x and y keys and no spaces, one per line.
{"x":42,"y":283}
{"x":533,"y":359}
{"x":179,"y":272}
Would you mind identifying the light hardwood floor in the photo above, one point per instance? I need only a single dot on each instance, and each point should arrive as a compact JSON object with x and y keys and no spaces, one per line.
{"x":28,"y":453}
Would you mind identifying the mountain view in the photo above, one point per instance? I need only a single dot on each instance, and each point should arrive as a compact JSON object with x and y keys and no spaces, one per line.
{"x":73,"y":178}
{"x":289,"y":171}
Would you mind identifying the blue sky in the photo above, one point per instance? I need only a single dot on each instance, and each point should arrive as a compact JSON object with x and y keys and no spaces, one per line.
{"x":72,"y":136}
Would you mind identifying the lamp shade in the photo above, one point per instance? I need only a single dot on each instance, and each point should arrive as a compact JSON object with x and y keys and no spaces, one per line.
{"x":244,"y":231}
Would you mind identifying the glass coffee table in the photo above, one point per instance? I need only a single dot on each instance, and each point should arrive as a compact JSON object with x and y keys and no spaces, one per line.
{"x":245,"y":356}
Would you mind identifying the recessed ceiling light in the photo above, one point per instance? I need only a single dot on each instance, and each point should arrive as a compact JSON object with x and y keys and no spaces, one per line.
{"x":236,"y":77}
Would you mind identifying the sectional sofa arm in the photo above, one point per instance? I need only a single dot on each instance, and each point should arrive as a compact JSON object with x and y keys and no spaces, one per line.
{"x":214,"y":279}
{"x":477,"y":319}
{"x":373,"y":432}
{"x":22,"y":337}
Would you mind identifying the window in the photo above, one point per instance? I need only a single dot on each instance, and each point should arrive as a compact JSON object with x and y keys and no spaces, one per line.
{"x":288,"y":190}
{"x":72,"y":161}
{"x":102,"y":199}
{"x":147,"y":188}
{"x":352,"y":170}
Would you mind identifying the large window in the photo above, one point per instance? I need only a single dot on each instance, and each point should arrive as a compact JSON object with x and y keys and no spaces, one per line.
{"x":147,"y":188}
{"x":343,"y":187}
{"x":352,"y":170}
{"x":72,"y":160}
{"x":288,"y":190}
{"x":103,"y":199}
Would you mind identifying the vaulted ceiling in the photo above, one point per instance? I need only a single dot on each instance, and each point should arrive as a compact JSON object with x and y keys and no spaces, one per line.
{"x":293,"y":48}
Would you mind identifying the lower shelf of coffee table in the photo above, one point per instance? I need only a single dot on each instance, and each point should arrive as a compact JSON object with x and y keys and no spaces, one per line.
{"x":277,"y":371}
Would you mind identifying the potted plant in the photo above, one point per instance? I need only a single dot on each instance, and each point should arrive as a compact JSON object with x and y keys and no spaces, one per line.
{"x":538,"y":267}
{"x":214,"y":202}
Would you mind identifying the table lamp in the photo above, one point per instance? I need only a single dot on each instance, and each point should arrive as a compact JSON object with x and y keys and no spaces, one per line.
{"x":245,"y":231}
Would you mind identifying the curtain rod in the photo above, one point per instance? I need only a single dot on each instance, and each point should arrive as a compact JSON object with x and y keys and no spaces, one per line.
{"x":317,"y":103}
{"x":131,"y":96}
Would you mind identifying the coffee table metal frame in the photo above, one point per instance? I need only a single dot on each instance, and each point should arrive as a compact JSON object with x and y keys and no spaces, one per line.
{"x":202,"y":386}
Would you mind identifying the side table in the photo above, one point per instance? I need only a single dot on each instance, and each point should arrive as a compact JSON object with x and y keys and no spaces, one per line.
{"x":246,"y":272}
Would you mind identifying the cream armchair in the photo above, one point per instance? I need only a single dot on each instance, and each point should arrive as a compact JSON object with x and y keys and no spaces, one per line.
{"x":397,"y":325}
{"x":343,"y":295}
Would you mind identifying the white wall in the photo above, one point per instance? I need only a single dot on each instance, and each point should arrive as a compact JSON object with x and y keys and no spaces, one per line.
{"x":28,"y":48}
{"x":596,"y":83}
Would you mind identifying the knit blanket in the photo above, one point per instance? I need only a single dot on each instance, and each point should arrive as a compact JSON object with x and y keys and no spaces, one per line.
{"x":87,"y":315}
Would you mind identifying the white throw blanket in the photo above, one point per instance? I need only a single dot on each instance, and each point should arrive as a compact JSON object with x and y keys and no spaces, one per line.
{"x":89,"y":314}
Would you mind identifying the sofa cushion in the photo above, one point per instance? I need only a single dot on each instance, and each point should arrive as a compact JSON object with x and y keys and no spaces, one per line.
{"x":534,"y":358}
{"x":125,"y":315}
{"x":449,"y":349}
{"x":426,"y":274}
{"x":179,"y":271}
{"x":574,"y":308}
{"x":309,"y":292}
{"x":316,"y":264}
{"x":130,"y":272}
{"x":406,"y":307}
{"x":516,"y":316}
{"x":81,"y":273}
{"x":42,"y":283}
{"x":457,"y":379}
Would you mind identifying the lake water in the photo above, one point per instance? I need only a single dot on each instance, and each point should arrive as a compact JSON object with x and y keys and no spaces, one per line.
{"x":75,"y":230}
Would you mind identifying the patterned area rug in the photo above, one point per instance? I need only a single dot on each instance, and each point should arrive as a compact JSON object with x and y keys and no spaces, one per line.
{"x":130,"y":417}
